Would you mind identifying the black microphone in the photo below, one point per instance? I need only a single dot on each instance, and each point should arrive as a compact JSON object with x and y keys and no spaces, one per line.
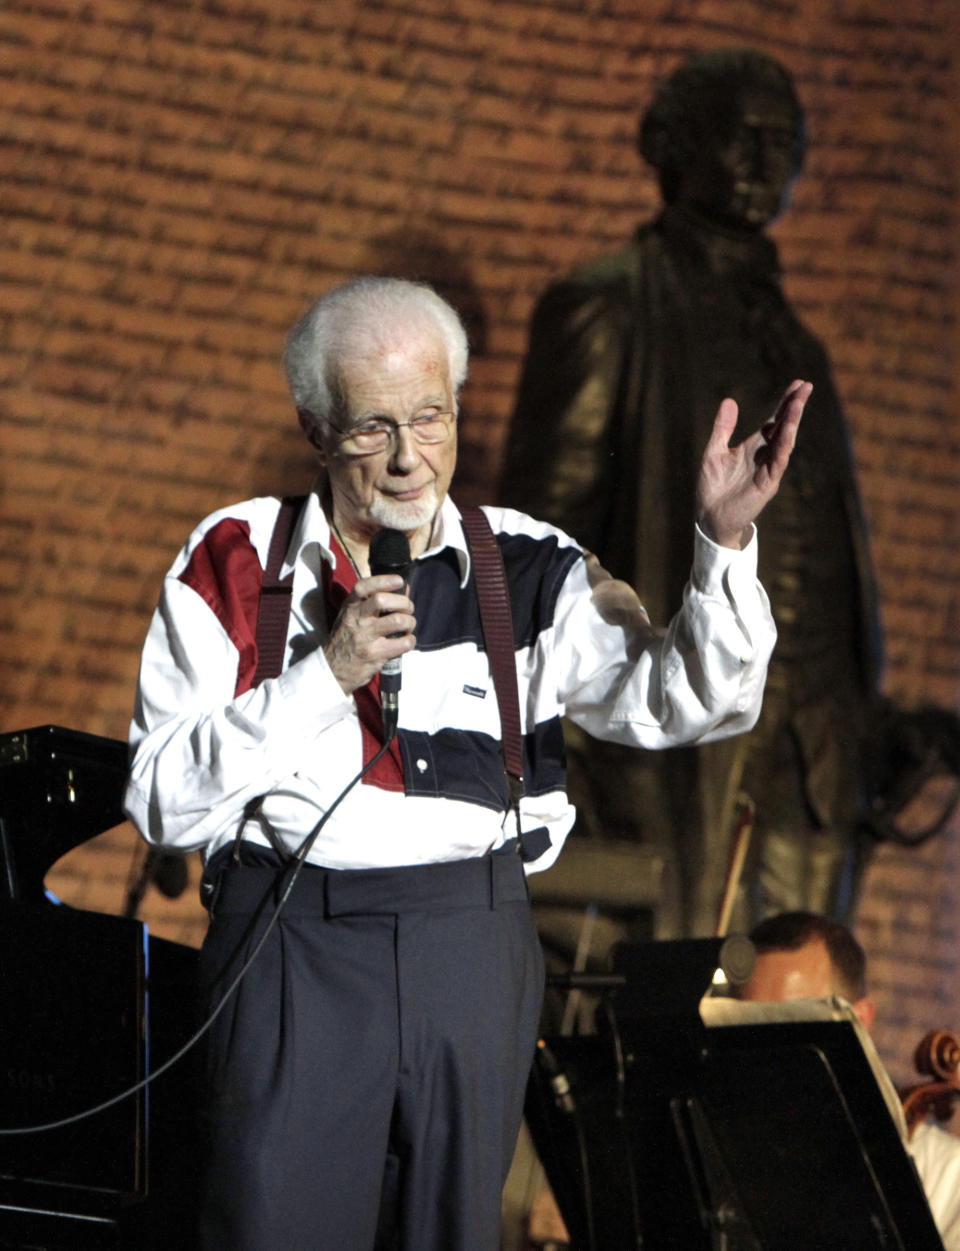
{"x":389,"y":553}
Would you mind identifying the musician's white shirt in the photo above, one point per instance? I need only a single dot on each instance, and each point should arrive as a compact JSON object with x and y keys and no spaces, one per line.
{"x":936,"y":1153}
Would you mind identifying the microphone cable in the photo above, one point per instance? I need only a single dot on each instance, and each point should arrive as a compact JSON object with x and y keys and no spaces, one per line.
{"x":298,"y":860}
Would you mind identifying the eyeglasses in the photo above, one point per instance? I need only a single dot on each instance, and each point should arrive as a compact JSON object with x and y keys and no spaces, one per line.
{"x":380,"y":432}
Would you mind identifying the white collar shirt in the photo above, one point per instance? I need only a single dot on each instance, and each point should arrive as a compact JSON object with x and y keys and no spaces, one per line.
{"x":202,"y":754}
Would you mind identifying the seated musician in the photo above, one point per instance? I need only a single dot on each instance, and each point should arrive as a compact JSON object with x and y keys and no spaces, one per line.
{"x":802,"y":955}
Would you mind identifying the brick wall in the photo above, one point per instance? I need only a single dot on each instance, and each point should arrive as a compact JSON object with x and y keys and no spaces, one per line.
{"x":180,"y":179}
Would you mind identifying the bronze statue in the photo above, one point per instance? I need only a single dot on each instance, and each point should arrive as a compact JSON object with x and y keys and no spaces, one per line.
{"x":621,"y":352}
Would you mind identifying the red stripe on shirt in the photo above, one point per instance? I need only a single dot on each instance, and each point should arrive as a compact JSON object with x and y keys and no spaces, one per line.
{"x":225,"y":572}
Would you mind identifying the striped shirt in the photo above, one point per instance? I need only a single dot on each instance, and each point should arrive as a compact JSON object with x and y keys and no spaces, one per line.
{"x":206,"y":741}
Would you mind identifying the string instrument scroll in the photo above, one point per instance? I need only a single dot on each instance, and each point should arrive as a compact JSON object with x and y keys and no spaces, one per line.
{"x":938,"y":1057}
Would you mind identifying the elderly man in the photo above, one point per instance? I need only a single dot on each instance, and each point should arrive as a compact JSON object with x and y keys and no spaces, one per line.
{"x":802,"y":955}
{"x":373,"y":1058}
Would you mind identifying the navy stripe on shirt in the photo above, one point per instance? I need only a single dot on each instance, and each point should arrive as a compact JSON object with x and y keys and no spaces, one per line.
{"x":465,"y":764}
{"x":468,"y":765}
{"x":535,"y":571}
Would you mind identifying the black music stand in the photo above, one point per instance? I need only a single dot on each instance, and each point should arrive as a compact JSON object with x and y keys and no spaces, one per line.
{"x":744,"y":1128}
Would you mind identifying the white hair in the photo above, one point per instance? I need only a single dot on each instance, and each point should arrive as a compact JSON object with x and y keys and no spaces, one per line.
{"x":361,"y":318}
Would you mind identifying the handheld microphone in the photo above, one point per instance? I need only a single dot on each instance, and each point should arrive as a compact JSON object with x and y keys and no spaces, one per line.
{"x":389,"y":553}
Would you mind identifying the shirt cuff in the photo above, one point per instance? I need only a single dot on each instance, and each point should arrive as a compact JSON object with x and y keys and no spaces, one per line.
{"x":719,"y":571}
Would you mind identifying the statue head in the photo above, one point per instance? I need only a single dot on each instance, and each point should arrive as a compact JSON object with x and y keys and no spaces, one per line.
{"x":725,"y":132}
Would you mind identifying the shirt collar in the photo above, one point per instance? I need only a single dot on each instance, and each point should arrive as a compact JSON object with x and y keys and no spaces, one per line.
{"x":311,"y":539}
{"x":448,"y":532}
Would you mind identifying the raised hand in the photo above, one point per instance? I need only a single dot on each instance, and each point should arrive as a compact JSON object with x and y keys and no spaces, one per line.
{"x":735,"y":483}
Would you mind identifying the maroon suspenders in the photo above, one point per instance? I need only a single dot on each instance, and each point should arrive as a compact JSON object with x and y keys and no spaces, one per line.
{"x":273,"y":615}
{"x":496,"y":620}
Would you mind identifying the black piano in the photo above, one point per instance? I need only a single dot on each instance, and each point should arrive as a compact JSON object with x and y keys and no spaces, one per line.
{"x":90,"y":1005}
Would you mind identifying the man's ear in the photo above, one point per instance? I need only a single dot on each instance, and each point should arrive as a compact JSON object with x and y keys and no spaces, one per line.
{"x":866,"y":1010}
{"x":311,"y":428}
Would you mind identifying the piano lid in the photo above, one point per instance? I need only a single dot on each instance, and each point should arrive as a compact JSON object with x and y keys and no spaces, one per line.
{"x":58,"y":788}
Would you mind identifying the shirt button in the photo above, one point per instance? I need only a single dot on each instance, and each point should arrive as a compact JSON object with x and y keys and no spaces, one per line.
{"x":422,"y":765}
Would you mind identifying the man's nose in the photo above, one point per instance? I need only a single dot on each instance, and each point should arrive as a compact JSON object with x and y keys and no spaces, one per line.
{"x":406,"y":452}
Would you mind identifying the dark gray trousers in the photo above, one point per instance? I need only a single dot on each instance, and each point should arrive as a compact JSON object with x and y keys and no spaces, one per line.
{"x":379,"y":1045}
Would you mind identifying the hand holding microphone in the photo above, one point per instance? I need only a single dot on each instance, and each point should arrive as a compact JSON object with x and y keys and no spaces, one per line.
{"x":375,"y":626}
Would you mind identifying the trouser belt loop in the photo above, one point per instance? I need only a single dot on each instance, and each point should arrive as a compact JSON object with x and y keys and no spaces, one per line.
{"x":506,"y":873}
